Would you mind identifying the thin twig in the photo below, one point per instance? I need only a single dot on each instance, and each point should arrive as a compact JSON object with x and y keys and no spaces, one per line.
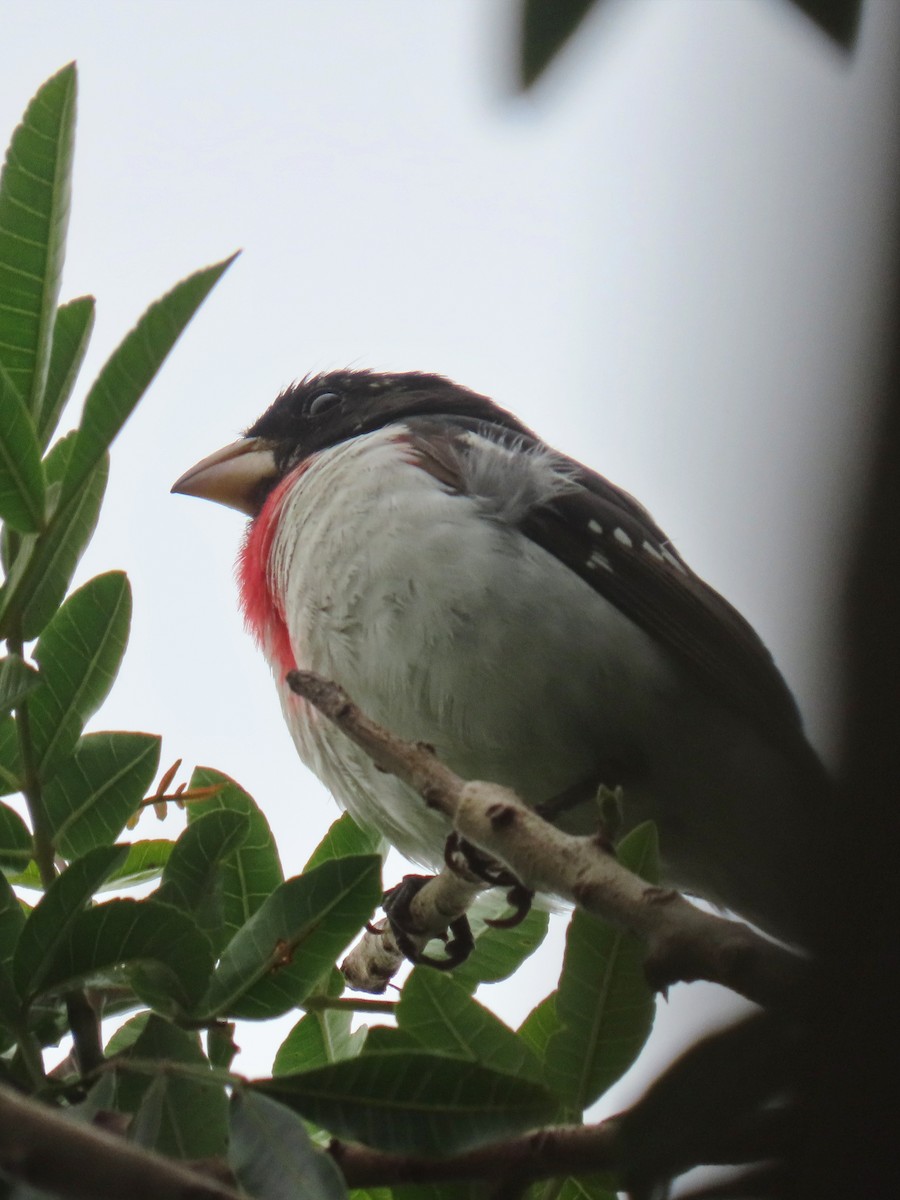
{"x":84,"y":1025}
{"x":349,"y":1004}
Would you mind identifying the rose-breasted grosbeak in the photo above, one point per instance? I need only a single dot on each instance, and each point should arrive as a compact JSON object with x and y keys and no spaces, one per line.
{"x":474,"y":589}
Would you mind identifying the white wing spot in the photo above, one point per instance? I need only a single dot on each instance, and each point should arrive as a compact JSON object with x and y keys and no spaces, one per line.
{"x":652,"y":550}
{"x":598,"y":560}
{"x":673,"y":561}
{"x":595,"y":526}
{"x":621,"y":536}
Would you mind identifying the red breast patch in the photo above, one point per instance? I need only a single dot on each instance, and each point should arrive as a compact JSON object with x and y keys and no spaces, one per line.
{"x":262,"y":608}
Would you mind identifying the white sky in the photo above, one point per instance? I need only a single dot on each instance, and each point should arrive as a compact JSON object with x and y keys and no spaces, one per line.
{"x":663,"y":260}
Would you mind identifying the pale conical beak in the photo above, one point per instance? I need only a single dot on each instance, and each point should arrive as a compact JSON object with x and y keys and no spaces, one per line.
{"x":232,"y":476}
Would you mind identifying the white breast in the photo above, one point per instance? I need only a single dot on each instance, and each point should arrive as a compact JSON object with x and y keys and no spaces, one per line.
{"x":450,"y":627}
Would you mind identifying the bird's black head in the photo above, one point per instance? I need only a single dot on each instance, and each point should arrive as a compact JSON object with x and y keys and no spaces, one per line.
{"x":323,"y":410}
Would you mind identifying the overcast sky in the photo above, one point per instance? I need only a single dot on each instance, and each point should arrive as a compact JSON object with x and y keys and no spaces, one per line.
{"x":665,"y":260}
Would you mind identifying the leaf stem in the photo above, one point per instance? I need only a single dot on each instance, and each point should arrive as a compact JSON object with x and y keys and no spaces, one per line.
{"x":318,"y":1003}
{"x":84,"y":1023}
{"x":31,"y":783}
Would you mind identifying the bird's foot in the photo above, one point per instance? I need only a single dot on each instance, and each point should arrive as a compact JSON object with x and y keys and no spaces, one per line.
{"x":458,"y":941}
{"x":463,"y":857}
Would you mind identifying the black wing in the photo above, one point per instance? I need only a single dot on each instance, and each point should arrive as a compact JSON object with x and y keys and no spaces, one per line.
{"x":607,"y":538}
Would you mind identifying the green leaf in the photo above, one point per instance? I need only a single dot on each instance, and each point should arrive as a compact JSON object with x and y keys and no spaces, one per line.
{"x":839,"y":19}
{"x":110,"y":401}
{"x":444,"y":1018}
{"x":92,"y":795}
{"x":51,"y":921}
{"x":22,"y":496}
{"x":17,"y":680}
{"x":499,"y":953}
{"x":545,"y":28}
{"x":191,"y":874}
{"x":126,"y":1035}
{"x":540,"y":1025}
{"x":253,"y":872}
{"x":598,"y":1187}
{"x":10,"y":760}
{"x":79,"y":654}
{"x":129,"y":370}
{"x":12,"y":922}
{"x":43,"y":569}
{"x":319,"y":1037}
{"x":414,"y":1102}
{"x":71,"y":334}
{"x":145,"y":861}
{"x":35,"y":192}
{"x":429,"y":1191}
{"x":344,"y":840}
{"x":275,"y":961}
{"x":386,"y":1039}
{"x":15,"y":840}
{"x":174,"y":956}
{"x":174,"y":1114}
{"x":604,"y":1003}
{"x":28,"y":877}
{"x":221,"y":1046}
{"x":272,"y":1156}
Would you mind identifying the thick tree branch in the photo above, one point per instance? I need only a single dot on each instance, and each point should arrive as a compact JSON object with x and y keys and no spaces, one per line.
{"x":683,"y":943}
{"x":40,"y":1147}
{"x":543,"y":1154}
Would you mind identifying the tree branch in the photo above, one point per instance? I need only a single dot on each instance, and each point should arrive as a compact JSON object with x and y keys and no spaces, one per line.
{"x":376,"y":958}
{"x":543,"y":1154}
{"x":42,"y":1148}
{"x":683,"y":942}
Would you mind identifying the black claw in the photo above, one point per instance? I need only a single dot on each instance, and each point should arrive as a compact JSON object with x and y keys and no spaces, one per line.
{"x":520,"y":898}
{"x":396,"y":904}
{"x":478,"y":864}
{"x":492,"y":873}
{"x":451,"y":847}
{"x":458,"y":948}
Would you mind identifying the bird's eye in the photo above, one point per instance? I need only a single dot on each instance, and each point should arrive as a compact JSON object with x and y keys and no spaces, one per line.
{"x":321,"y":403}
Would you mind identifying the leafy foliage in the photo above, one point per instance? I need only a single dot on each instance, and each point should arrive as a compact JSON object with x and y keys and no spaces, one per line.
{"x":413,"y":1101}
{"x":604,"y":1006}
{"x":219,"y":933}
{"x":545,"y":28}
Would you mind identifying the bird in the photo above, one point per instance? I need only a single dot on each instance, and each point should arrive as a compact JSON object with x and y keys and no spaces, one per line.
{"x":475,"y":589}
